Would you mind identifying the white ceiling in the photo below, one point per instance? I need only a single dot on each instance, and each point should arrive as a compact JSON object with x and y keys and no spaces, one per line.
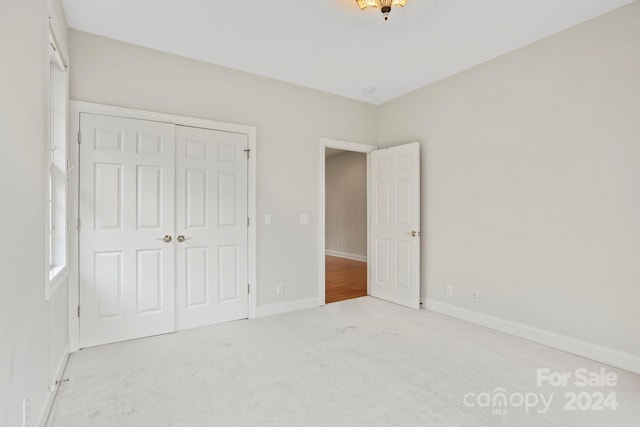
{"x":331,"y":45}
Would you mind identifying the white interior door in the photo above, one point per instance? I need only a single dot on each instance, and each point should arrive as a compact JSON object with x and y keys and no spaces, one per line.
{"x":395,"y":224}
{"x":211,"y":227}
{"x":126,"y":208}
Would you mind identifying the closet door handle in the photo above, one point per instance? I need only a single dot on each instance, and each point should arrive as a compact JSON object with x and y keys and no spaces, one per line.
{"x":181,"y":238}
{"x":166,"y":239}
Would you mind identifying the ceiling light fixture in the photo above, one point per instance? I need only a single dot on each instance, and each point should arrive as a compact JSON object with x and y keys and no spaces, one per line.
{"x":384,"y":5}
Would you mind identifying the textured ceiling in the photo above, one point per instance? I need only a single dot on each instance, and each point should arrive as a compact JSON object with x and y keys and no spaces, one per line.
{"x":331,"y":45}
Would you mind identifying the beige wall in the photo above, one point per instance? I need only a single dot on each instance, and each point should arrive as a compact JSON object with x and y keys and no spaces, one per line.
{"x":346,"y":203}
{"x":289,"y":121}
{"x":531,"y":182}
{"x":33,"y":333}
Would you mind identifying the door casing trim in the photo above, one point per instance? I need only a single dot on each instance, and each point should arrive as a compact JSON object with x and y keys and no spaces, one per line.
{"x":78,"y":107}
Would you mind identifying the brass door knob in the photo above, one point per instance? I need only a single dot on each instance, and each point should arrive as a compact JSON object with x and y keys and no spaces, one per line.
{"x":181,"y":238}
{"x":166,"y":239}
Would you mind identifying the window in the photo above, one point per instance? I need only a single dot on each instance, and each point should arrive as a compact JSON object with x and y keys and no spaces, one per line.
{"x":58,"y":164}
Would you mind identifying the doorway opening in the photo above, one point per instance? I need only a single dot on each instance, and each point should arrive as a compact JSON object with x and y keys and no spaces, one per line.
{"x":345,"y":225}
{"x":393,"y":221}
{"x":344,"y":220}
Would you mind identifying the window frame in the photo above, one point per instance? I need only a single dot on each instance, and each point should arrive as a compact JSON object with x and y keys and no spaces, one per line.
{"x":57,"y":165}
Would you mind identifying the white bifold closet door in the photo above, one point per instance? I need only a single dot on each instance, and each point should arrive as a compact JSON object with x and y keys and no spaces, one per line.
{"x":163,"y":228}
{"x":126,"y":208}
{"x":211,"y":227}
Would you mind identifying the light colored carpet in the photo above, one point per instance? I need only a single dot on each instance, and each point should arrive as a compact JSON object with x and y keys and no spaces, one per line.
{"x":361,"y":362}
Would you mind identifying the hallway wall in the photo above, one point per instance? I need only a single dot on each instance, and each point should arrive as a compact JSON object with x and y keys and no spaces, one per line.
{"x":346,"y":203}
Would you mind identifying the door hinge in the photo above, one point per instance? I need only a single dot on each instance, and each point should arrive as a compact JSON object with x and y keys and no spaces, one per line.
{"x":248,"y":222}
{"x":78,"y":310}
{"x":248,"y":288}
{"x":78,"y":224}
{"x":79,"y":137}
{"x":248,"y":151}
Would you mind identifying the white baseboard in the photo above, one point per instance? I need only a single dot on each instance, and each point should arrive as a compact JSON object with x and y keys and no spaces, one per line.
{"x":53,"y":388}
{"x":346,"y":255}
{"x":286,"y":307}
{"x":619,"y":359}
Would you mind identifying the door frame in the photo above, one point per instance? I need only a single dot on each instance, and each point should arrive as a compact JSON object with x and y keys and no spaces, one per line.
{"x":78,"y":107}
{"x":348,"y":146}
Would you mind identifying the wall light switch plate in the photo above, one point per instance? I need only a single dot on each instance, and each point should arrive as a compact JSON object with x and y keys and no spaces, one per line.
{"x":304,"y":218}
{"x":267,"y":219}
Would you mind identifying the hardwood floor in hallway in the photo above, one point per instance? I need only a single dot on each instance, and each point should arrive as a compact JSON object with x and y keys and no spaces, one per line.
{"x":344,"y":279}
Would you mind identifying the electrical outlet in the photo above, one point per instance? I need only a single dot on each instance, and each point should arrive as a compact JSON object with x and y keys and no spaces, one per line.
{"x":450,"y":290}
{"x":304,"y":218}
{"x":474,"y":296}
{"x":25,"y":410}
{"x":267,"y":219}
{"x":280,"y":288}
